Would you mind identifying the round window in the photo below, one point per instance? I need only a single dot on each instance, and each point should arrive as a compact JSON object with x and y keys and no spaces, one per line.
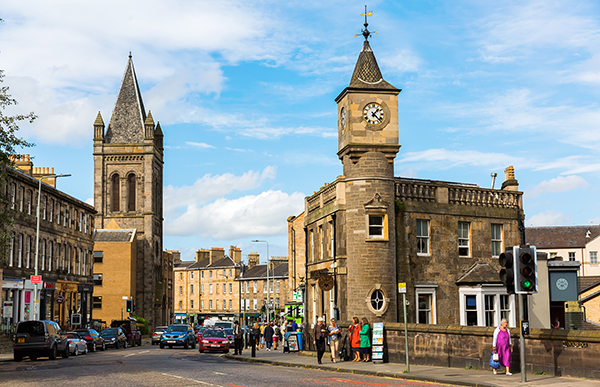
{"x":377,"y":300}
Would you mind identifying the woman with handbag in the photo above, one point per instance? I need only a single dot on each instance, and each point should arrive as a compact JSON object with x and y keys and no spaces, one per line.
{"x":502,"y":346}
{"x":355,"y":338}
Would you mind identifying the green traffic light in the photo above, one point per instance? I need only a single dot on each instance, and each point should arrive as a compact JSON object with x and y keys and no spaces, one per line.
{"x":527,"y":284}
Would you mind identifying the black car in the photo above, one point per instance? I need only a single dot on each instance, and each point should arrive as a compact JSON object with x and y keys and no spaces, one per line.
{"x":94,"y":340}
{"x":39,"y":338}
{"x":114,"y":337}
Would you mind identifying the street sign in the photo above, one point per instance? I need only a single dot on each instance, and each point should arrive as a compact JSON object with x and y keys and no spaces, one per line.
{"x":401,"y":287}
{"x":297,"y":296}
{"x":36,"y":279}
{"x":7,"y":309}
{"x":59,"y":299}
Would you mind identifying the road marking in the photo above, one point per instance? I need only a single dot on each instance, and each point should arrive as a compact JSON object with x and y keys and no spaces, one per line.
{"x":355,"y":382}
{"x":219,"y":373}
{"x":192,"y":380}
{"x":139,"y":353}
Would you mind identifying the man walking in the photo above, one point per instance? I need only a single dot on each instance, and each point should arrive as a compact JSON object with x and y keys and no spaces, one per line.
{"x":320,"y":333}
{"x":238,"y":339}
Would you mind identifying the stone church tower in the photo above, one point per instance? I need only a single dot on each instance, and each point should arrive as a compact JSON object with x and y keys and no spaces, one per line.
{"x":367,"y":146}
{"x":128,"y":181}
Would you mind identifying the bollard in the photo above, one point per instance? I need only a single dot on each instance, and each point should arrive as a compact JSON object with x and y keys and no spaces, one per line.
{"x":253,"y":339}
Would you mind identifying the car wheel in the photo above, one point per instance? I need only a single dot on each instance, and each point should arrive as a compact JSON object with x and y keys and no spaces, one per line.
{"x":194,"y":344}
{"x":53,"y":353}
{"x":201,"y":350}
{"x":170,"y":347}
{"x":125,"y":344}
{"x":76,"y":353}
{"x":118,"y":345}
{"x":162,"y":346}
{"x":103,"y":346}
{"x":85,"y":350}
{"x":94,"y":347}
{"x":33,"y":358}
{"x":18,"y":357}
{"x":140,"y":342}
{"x":186,"y":345}
{"x":66,"y":353}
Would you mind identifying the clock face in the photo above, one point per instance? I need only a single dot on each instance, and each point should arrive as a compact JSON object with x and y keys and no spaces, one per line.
{"x":343,"y":118}
{"x":562,"y":284}
{"x":373,"y":113}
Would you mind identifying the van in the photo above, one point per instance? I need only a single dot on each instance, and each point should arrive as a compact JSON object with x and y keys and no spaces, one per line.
{"x":39,"y":338}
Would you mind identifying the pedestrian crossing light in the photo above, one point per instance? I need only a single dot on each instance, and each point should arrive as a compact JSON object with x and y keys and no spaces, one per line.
{"x":507,"y":275}
{"x":526,"y":270}
{"x":129,"y":308}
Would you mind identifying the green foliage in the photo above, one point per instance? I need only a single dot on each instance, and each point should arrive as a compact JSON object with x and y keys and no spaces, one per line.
{"x":142,"y":324}
{"x":399,"y":206}
{"x":9,"y":142}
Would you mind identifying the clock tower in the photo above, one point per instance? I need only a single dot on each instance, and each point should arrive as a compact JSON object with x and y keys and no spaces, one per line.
{"x":367,"y":146}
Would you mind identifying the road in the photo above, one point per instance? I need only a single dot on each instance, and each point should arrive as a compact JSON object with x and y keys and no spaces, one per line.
{"x":152,"y":366}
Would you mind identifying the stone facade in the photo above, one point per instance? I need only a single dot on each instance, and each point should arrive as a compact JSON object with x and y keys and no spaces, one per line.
{"x":65,"y":249}
{"x":128,"y":180}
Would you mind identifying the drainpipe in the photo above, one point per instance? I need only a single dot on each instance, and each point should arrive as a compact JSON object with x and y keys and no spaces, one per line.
{"x":336,"y":309}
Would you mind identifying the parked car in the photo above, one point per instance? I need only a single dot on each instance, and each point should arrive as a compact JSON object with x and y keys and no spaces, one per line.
{"x":39,"y":338}
{"x":230,"y":336}
{"x":114,"y":337}
{"x":214,"y":340}
{"x":199,"y":330}
{"x":158,"y":331}
{"x":93,"y":339}
{"x":178,"y":334}
{"x":134,"y":336}
{"x":77,"y":344}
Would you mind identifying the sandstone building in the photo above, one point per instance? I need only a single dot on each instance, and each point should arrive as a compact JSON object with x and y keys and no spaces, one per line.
{"x":64,"y":255}
{"x":128,"y":177}
{"x":369,"y":230}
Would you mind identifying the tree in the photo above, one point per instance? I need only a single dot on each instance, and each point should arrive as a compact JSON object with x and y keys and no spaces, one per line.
{"x":9,"y":142}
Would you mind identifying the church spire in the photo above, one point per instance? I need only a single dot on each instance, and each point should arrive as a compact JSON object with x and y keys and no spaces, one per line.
{"x":127,"y":121}
{"x":367,"y":74}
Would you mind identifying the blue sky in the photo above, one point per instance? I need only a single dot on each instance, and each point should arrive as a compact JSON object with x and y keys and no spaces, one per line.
{"x":244,"y":92}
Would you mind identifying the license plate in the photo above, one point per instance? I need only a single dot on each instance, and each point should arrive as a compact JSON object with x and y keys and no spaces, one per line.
{"x":171,"y":342}
{"x":215,"y":345}
{"x":21,"y":340}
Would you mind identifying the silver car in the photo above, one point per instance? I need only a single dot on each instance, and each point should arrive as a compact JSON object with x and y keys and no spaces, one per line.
{"x":77,"y":344}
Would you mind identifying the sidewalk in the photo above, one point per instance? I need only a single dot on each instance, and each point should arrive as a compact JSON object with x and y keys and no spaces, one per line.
{"x":452,"y":376}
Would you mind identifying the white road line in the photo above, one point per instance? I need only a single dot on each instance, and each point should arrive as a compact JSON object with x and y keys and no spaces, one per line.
{"x":138,"y":353}
{"x":193,"y":380}
{"x":219,"y":373}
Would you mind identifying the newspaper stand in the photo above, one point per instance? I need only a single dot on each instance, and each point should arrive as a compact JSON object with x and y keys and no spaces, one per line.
{"x":377,"y":352}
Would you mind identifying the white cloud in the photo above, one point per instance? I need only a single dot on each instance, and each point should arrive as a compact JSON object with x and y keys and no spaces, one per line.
{"x":548,"y":218}
{"x":444,"y":159}
{"x":557,"y":185}
{"x":90,"y":201}
{"x":200,"y":145}
{"x":403,"y":62}
{"x":263,"y":214}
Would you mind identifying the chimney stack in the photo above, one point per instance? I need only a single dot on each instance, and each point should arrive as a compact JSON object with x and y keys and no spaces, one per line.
{"x":216,"y":253}
{"x":202,"y":254}
{"x":235,"y":253}
{"x":510,"y":183}
{"x":253,"y":259}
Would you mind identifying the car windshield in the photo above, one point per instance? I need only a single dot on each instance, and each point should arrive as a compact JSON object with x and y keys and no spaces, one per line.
{"x":72,"y":335}
{"x":177,"y":328}
{"x":229,"y":331}
{"x":110,"y":331}
{"x":160,"y":329}
{"x":33,"y":328}
{"x":222,"y":324}
{"x":214,"y":333}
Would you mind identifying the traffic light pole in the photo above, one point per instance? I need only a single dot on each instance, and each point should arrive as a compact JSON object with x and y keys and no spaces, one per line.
{"x":521,"y":301}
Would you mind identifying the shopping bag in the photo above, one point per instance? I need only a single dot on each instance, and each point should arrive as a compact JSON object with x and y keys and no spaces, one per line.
{"x":495,"y":364}
{"x":495,"y":357}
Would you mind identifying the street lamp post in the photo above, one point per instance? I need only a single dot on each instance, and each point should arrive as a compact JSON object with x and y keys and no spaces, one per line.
{"x":268,"y":283}
{"x":37,"y":243}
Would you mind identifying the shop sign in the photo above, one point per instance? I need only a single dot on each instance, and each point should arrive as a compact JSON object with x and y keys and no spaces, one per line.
{"x":49,"y":285}
{"x":7,"y":309}
{"x":36,"y":279}
{"x":297,"y":296}
{"x":27,"y":297}
{"x":59,"y":299}
{"x":12,"y":284}
{"x":377,"y":355}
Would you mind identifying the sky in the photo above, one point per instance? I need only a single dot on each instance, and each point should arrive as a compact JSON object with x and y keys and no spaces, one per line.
{"x":244,"y":92}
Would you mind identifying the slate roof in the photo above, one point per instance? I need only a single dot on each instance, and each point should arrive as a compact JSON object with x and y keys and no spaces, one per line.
{"x":561,"y":237}
{"x":260,"y":272}
{"x":586,"y":282}
{"x":367,"y":74}
{"x":185,"y":264}
{"x":126,"y":124}
{"x":223,"y":262}
{"x":119,"y":235}
{"x":480,"y":273}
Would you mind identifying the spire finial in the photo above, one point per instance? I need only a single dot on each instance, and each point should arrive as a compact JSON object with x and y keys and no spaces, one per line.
{"x":129,"y":54}
{"x":365,"y":32}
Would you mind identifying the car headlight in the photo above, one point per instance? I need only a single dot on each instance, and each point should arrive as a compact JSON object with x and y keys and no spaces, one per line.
{"x":112,"y":339}
{"x":205,"y":341}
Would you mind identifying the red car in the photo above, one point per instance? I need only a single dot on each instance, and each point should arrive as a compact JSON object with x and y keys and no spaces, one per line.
{"x":214,"y":340}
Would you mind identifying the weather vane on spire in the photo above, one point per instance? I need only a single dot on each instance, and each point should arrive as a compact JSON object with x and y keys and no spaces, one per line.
{"x":366,"y":33}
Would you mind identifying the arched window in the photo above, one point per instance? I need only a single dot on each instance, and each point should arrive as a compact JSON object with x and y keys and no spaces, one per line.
{"x":116,"y":193}
{"x":131,"y":192}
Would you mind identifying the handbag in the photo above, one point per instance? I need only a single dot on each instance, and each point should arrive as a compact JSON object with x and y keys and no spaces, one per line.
{"x":495,"y":364}
{"x":495,"y":356}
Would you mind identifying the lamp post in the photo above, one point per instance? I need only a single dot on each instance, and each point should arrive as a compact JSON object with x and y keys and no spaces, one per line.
{"x":268,"y":283}
{"x":37,"y":242}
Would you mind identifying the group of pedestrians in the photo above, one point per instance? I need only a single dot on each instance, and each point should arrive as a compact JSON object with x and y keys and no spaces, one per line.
{"x":268,"y":335}
{"x":360,"y":339}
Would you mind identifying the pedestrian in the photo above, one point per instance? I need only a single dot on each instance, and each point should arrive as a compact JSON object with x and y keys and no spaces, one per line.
{"x":276,"y":336}
{"x":256,"y":331}
{"x":503,"y":344}
{"x":238,"y":339}
{"x":365,"y":339}
{"x":268,"y":335}
{"x":262,"y":335}
{"x":355,"y":338}
{"x":294,"y":326}
{"x":320,"y":333}
{"x":334,"y":336}
{"x":556,"y":324}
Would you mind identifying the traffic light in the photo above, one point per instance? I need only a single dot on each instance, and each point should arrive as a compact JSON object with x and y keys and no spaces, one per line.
{"x":507,"y":274}
{"x":129,"y":308}
{"x":526,"y":270}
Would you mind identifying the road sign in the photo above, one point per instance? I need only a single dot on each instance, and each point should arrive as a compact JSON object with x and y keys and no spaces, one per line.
{"x":59,"y":299}
{"x":401,"y":287}
{"x":36,"y":279}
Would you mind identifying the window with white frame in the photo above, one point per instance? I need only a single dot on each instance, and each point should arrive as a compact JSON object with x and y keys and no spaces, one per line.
{"x":496,"y":240}
{"x":191,"y":289}
{"x":202,"y":289}
{"x":255,"y":285}
{"x":230,"y":288}
{"x":594,"y":258}
{"x":313,"y":245}
{"x":264,"y":286}
{"x":210,"y":290}
{"x":181,"y":290}
{"x":485,"y":305}
{"x":426,"y":304}
{"x":210,"y":274}
{"x":181,"y":276}
{"x":191,"y":304}
{"x":191,"y":275}
{"x":242,"y":303}
{"x":224,"y":304}
{"x":490,"y":310}
{"x":230,"y":304}
{"x":201,"y":275}
{"x":464,"y":244}
{"x":278,"y":285}
{"x":247,"y":287}
{"x":321,"y":243}
{"x":210,"y":304}
{"x":422,"y":237}
{"x":201,"y":304}
{"x":571,"y":256}
{"x":11,"y":252}
{"x":471,"y":310}
{"x":376,"y":226}
{"x":255,"y":303}
{"x":331,"y":239}
{"x":224,"y":288}
{"x":180,"y":305}
{"x":504,"y":307}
